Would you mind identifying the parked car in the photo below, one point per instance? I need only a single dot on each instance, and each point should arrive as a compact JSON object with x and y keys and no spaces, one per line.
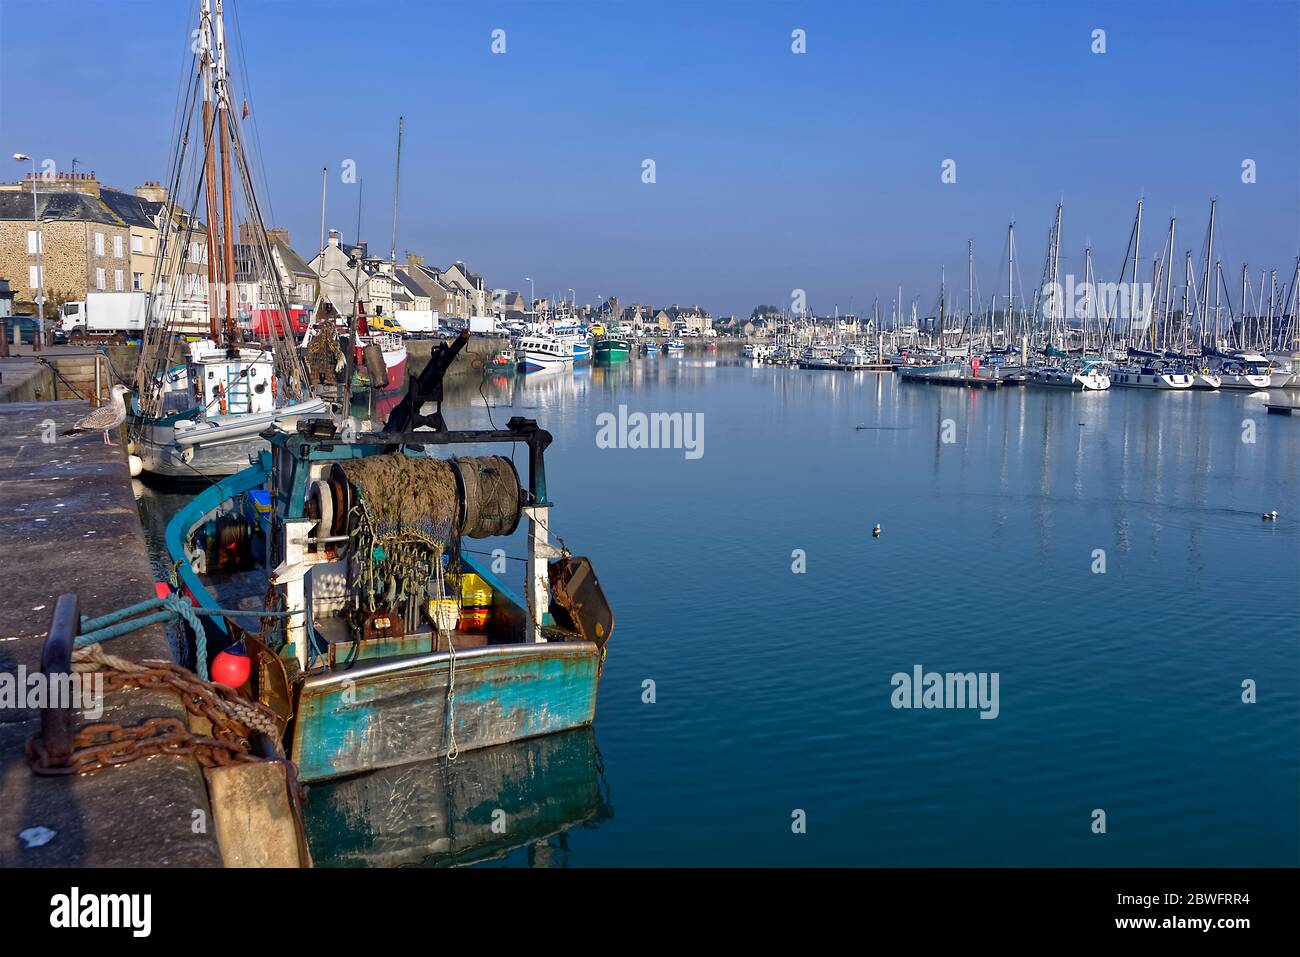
{"x":26,"y":326}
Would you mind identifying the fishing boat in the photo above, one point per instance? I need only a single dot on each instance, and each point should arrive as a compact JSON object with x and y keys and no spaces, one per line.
{"x":576,"y":337}
{"x":611,"y":347}
{"x":540,"y":351}
{"x":378,"y":359}
{"x":674,"y":346}
{"x":395,"y":644}
{"x":202,"y":417}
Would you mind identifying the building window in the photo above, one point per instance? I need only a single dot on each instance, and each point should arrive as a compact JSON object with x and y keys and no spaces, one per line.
{"x":99,"y":244}
{"x":137,"y":244}
{"x":118,"y":285}
{"x":117,"y":246}
{"x":35,"y":242}
{"x":137,"y":280}
{"x":34,"y":278}
{"x":99,"y":278}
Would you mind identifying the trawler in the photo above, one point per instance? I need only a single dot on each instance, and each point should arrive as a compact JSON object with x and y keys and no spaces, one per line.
{"x":393,"y":642}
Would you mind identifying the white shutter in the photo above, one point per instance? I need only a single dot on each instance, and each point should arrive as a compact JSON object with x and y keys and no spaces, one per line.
{"x":117,"y":246}
{"x":33,"y":278}
{"x":117,"y":280}
{"x":35,"y":242}
{"x":99,"y":278}
{"x":99,"y":244}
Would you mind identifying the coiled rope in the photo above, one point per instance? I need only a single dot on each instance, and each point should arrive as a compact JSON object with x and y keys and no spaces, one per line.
{"x":124,"y":621}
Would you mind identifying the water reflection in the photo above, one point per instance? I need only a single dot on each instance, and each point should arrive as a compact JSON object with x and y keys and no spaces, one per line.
{"x":484,"y":805}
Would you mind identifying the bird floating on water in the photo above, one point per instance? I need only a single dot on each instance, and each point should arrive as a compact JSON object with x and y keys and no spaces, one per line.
{"x":1270,"y":516}
{"x":105,"y":419}
{"x":875,"y":532}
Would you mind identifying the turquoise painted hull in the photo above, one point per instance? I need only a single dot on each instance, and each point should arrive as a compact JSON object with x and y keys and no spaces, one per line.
{"x":395,"y":713}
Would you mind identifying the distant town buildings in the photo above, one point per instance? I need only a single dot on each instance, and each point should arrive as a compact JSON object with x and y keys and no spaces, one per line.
{"x":95,"y":238}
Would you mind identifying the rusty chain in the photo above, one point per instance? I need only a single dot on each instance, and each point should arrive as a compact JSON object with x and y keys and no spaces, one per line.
{"x":108,"y":744}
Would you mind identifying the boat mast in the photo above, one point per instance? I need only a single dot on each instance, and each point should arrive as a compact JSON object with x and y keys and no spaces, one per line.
{"x":1137,"y":248}
{"x":1209,"y":258}
{"x":209,"y":167}
{"x":1011,"y":245}
{"x":227,"y":211}
{"x":397,"y":180}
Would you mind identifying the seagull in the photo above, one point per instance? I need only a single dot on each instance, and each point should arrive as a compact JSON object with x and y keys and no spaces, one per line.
{"x":105,"y":419}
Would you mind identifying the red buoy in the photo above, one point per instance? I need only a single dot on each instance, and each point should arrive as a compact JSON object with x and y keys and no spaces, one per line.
{"x":161,"y":589}
{"x":232,"y":666}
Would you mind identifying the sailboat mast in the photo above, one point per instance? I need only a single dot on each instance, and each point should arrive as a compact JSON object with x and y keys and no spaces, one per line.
{"x":1137,"y":254}
{"x":397,"y":180}
{"x":227,"y":204}
{"x":1209,"y":258}
{"x":1011,"y":245}
{"x":209,"y":167}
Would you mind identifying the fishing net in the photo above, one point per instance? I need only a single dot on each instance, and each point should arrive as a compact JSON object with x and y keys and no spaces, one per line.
{"x":403,"y":521}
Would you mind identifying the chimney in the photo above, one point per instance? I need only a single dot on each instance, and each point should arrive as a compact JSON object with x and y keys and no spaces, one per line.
{"x":413,"y":260}
{"x":152,"y":190}
{"x":334,"y":237}
{"x":280,"y":234}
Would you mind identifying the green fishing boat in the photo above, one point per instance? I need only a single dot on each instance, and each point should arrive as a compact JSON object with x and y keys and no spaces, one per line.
{"x":611,"y":347}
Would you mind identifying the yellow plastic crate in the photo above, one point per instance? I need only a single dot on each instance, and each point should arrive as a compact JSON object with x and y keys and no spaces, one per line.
{"x":475,"y":592}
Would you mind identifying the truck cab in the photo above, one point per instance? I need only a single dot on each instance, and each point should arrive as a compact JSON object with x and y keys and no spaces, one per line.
{"x":71,"y":315}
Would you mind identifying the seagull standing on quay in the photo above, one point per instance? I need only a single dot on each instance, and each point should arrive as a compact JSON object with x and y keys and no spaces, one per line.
{"x":105,"y":419}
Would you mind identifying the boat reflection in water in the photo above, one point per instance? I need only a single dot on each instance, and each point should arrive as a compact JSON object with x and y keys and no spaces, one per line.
{"x":442,"y":814}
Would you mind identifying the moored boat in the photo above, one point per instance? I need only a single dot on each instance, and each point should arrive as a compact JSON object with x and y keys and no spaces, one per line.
{"x":397,"y":645}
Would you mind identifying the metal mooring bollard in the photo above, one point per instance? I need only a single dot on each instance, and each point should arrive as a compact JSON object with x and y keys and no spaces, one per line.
{"x":58,"y":724}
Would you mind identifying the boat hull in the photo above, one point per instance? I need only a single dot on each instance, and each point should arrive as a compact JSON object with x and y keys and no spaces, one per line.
{"x":212,"y":448}
{"x":397,"y":712}
{"x":610,"y":350}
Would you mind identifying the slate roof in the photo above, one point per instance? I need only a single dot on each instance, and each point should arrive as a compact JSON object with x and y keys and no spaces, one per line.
{"x":112,"y":207}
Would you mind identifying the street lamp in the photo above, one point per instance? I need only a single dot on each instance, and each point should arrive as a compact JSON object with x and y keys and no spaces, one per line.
{"x":39,"y":289}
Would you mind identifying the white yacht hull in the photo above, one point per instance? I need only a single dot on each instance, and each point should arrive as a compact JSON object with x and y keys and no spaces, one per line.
{"x":1164,"y":381}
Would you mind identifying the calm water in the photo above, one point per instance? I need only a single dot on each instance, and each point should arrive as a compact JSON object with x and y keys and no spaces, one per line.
{"x":1119,"y":691}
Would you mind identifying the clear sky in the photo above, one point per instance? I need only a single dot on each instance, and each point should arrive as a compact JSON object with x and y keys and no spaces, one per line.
{"x":775,"y":170}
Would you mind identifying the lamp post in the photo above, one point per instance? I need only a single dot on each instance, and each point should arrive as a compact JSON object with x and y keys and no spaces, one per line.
{"x":40,"y":271}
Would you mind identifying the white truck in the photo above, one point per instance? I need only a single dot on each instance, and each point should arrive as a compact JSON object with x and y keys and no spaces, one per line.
{"x":105,"y":314}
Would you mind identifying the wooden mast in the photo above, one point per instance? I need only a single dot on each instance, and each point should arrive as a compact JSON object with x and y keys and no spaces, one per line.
{"x":227,"y":215}
{"x":209,"y":170}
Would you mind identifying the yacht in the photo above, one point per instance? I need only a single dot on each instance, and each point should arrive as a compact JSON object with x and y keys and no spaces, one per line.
{"x":1245,"y":371}
{"x":1087,"y":375}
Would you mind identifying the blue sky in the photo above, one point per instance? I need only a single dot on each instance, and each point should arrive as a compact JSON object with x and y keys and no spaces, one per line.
{"x":775,"y":171}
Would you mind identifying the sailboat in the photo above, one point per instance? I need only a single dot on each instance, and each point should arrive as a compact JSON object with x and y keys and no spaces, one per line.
{"x":200,"y":414}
